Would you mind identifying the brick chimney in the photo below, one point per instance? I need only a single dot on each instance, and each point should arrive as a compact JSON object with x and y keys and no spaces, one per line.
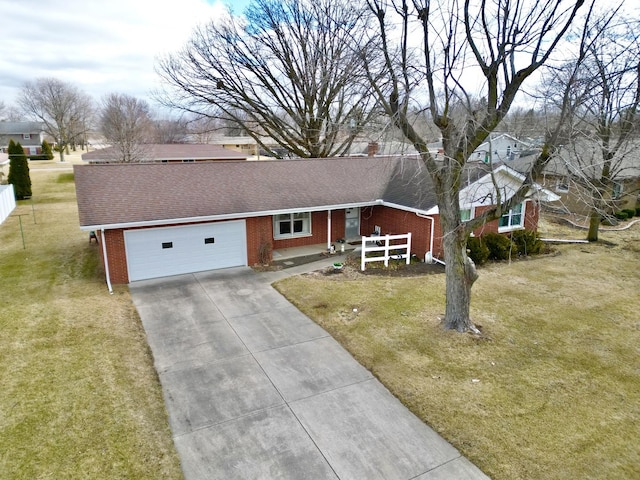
{"x":372,"y":149}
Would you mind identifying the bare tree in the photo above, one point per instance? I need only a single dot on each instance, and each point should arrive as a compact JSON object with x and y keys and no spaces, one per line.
{"x":12,"y":113}
{"x":286,"y":70}
{"x":430,"y":52}
{"x":606,"y":146}
{"x":170,"y":130}
{"x":126,"y":124}
{"x":61,"y":106}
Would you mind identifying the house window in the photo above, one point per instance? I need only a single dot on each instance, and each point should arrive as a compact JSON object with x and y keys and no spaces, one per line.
{"x":512,"y":220}
{"x":289,"y":225}
{"x":26,"y":136}
{"x":562,"y":185}
{"x":465,"y":214}
{"x":167,"y":245}
{"x":616,"y":192}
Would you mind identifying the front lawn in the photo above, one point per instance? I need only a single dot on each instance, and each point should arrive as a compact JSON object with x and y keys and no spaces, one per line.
{"x":80,"y":397}
{"x":551,"y":390}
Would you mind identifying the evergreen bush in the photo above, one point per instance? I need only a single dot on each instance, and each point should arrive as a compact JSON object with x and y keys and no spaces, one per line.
{"x":527,"y":242}
{"x":19,"y":171}
{"x":46,"y":152}
{"x":477,"y":250}
{"x":499,"y":246}
{"x":630,"y":212}
{"x":621,"y":215}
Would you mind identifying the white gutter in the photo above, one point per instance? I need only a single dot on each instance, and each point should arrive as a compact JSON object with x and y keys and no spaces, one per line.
{"x":433,"y":221}
{"x":106,"y":262}
{"x":428,"y":257}
{"x":417,"y":211}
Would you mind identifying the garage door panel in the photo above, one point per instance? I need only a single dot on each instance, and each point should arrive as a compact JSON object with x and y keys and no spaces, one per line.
{"x":159,"y":252}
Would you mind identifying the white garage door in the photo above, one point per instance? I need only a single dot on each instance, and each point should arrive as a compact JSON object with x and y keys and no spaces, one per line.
{"x":160,"y":252}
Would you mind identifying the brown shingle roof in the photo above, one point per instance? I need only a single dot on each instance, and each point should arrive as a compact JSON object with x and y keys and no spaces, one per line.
{"x":117,"y":194}
{"x":174,"y":151}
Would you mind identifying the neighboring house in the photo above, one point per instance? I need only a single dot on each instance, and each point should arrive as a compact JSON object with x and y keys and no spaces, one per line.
{"x":29,"y":134}
{"x":155,"y":220}
{"x":247,"y":145}
{"x":242,"y":144}
{"x":569,"y":170}
{"x":382,"y":148}
{"x":500,"y":148}
{"x":168,"y":153}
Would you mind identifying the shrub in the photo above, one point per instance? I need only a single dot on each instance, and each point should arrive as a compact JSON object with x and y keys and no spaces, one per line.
{"x":637,"y":211}
{"x":264,"y":253}
{"x":630,"y":212}
{"x":19,"y":171}
{"x":621,"y":215}
{"x":477,"y":250}
{"x":499,"y":246}
{"x":46,"y":150}
{"x":527,"y":242}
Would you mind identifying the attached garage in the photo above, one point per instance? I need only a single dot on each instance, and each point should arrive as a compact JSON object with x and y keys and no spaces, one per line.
{"x":161,"y":252}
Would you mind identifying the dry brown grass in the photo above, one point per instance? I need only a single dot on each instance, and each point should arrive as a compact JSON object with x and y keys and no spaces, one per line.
{"x":552,"y":388}
{"x":79,"y":397}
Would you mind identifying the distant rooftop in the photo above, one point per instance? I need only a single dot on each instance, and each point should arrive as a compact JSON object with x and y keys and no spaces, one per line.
{"x":175,"y":152}
{"x":18,"y":128}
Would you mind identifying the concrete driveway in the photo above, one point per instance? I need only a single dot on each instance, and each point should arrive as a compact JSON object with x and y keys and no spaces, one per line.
{"x":256,"y":390}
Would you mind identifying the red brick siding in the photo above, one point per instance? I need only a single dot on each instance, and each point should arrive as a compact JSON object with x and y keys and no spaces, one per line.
{"x":259,"y":231}
{"x":531,"y":216}
{"x":117,"y":256}
{"x":394,"y":222}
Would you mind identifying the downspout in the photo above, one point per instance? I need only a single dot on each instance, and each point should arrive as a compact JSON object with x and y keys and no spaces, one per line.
{"x":428,"y":257}
{"x":106,"y":261}
{"x":328,"y":230}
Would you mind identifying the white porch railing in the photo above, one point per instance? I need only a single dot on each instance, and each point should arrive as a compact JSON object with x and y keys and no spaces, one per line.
{"x":382,"y":243}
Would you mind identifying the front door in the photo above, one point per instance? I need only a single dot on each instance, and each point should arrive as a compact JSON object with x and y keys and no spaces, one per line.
{"x":352,"y":223}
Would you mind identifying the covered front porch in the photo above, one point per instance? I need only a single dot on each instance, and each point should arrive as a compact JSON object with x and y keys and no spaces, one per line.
{"x":290,"y":257}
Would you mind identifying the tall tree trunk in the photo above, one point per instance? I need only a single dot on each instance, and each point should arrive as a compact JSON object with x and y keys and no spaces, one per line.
{"x":594,"y":226}
{"x":460,"y":272}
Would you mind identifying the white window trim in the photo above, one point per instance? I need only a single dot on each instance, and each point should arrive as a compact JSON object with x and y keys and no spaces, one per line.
{"x":26,"y":136}
{"x":278,"y":236}
{"x":510,"y":213}
{"x":471,"y":213}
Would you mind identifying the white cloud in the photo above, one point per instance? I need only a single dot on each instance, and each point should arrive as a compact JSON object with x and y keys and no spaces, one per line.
{"x":101,"y":47}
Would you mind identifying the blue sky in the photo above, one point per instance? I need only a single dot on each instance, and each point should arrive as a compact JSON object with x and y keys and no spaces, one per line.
{"x":101,"y":47}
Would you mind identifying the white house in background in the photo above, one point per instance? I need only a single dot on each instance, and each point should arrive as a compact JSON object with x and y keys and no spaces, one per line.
{"x":500,"y":147}
{"x":7,"y":201}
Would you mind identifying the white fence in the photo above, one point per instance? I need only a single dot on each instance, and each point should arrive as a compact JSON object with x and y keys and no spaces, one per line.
{"x":7,"y":201}
{"x":382,"y":243}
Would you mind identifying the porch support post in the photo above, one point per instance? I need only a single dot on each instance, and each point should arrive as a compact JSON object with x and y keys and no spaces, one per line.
{"x":328,"y":229}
